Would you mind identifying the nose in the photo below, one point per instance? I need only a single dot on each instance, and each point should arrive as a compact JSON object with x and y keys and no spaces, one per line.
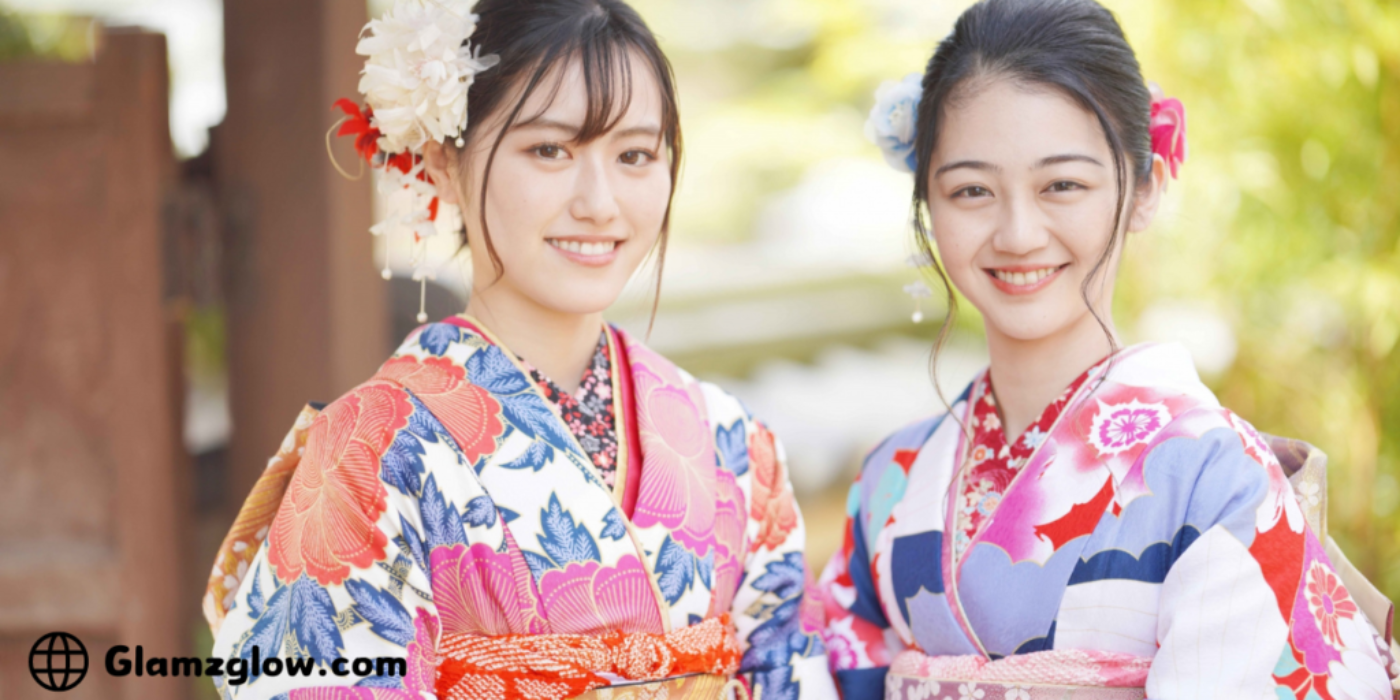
{"x":1022,"y":229}
{"x":594,"y":200}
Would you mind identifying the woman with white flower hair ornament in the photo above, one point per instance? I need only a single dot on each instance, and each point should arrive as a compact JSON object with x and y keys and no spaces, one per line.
{"x":1086,"y":520}
{"x":524,"y":502}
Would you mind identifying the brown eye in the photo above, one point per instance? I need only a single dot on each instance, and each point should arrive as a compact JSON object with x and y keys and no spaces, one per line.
{"x":1065,"y":186}
{"x":972,"y":191}
{"x":548,"y":151}
{"x":635,"y":158}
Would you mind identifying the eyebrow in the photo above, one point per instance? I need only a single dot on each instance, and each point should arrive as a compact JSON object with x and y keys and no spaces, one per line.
{"x":643,"y":130}
{"x":1067,"y":158}
{"x":1044,"y":163}
{"x":969,"y":164}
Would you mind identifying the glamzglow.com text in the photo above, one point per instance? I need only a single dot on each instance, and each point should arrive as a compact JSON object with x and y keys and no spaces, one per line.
{"x":121,"y":663}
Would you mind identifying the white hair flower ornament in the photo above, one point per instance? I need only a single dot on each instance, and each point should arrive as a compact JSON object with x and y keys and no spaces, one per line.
{"x":418,"y":69}
{"x":892,"y":119}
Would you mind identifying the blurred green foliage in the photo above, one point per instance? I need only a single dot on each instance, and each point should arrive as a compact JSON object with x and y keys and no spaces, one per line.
{"x":1285,"y":222}
{"x":1288,"y":222}
{"x":44,"y":36}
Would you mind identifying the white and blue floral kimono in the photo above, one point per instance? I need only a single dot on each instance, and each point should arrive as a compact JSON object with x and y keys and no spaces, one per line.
{"x":442,"y":515}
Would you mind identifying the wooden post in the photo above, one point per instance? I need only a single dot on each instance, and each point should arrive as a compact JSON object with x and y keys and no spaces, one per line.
{"x":93,"y":504}
{"x":307,"y":313}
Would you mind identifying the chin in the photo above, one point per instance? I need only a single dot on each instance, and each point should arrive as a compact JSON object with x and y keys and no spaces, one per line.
{"x":590,"y":299}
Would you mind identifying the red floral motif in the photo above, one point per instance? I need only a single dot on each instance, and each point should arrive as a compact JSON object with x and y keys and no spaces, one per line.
{"x":469,"y":413}
{"x":359,"y":125}
{"x":1328,"y":602}
{"x":326,"y":523}
{"x":773,"y":506}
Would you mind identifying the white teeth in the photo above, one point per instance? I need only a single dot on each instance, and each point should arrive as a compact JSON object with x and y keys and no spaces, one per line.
{"x":1021,"y":279}
{"x":599,"y":248}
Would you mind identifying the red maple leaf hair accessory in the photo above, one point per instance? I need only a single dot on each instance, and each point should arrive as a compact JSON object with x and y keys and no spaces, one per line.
{"x":1168,"y":128}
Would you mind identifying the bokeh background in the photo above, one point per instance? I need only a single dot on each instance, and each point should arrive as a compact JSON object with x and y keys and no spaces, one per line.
{"x":1276,"y":258}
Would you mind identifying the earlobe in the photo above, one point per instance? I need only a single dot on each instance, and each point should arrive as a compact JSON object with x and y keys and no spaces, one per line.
{"x":438,"y":163}
{"x":1149,"y":197}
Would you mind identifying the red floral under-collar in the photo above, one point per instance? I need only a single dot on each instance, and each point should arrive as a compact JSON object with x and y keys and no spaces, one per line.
{"x":589,"y":411}
{"x":991,"y":463}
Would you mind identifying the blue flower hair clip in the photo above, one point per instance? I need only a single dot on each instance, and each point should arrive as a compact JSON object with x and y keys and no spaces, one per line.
{"x":892,"y":119}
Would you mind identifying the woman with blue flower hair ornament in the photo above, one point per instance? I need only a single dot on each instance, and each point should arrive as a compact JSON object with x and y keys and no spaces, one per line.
{"x":523,"y":502}
{"x":1086,"y":520}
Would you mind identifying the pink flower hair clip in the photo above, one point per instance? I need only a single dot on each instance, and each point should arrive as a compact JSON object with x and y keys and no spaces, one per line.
{"x":1168,"y":128}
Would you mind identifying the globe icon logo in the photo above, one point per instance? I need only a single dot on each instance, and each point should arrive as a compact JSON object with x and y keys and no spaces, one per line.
{"x":58,"y":661}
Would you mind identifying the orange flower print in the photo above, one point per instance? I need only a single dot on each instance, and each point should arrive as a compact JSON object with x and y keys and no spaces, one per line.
{"x":773,"y":506}
{"x":1329,"y":602}
{"x":469,"y":412}
{"x":326,"y":523}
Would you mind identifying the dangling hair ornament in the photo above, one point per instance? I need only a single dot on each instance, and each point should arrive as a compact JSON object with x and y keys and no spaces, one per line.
{"x":1168,"y":128}
{"x":917,"y":289}
{"x":419,"y":67}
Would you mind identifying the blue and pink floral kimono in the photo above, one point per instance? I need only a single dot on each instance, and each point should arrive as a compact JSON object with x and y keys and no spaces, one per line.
{"x":443,"y":514}
{"x":1148,"y":543}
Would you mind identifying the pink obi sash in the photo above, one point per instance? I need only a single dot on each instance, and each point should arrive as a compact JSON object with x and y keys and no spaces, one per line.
{"x":1062,"y":673}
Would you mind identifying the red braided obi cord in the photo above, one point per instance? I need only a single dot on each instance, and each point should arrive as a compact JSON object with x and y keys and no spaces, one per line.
{"x":559,"y":666}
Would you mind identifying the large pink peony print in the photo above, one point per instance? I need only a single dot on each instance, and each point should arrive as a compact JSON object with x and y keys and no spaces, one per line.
{"x":481,"y":591}
{"x":678,"y":472}
{"x":588,"y":598}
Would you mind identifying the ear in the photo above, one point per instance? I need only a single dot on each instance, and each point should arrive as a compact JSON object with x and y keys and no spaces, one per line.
{"x":440,"y":165}
{"x":1149,"y":197}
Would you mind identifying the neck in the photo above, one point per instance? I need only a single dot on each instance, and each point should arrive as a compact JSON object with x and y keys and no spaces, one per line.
{"x":1029,"y":374}
{"x":559,"y":344}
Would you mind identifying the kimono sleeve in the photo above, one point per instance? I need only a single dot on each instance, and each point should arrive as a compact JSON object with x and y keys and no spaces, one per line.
{"x":777,"y":618}
{"x":1252,"y":607}
{"x":856,"y":629}
{"x":339,"y":595}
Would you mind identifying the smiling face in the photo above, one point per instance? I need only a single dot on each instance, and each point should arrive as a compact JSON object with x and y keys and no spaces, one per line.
{"x":1022,"y":197}
{"x":570,"y":221}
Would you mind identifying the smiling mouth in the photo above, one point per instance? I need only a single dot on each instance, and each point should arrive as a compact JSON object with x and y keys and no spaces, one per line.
{"x":1024,"y":279}
{"x":581,"y":248}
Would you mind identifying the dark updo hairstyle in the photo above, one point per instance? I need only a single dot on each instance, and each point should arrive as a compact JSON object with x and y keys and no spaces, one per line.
{"x":533,"y":38}
{"x":1073,"y":46}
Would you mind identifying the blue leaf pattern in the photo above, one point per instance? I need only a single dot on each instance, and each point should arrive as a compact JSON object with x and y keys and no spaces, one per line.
{"x":437,"y":337}
{"x":441,"y":523}
{"x":256,"y":601}
{"x":402,"y":464}
{"x":490,"y":369}
{"x":563,"y":540}
{"x":535,"y":457}
{"x":413,"y":542}
{"x":538,"y":563}
{"x":270,"y":629}
{"x":387,"y":616}
{"x":705,"y":567}
{"x":312,"y":621}
{"x":481,"y":512}
{"x":528,"y":413}
{"x":676,"y":567}
{"x":780,"y":637}
{"x":613,"y":526}
{"x":732,"y":449}
{"x":507,"y":514}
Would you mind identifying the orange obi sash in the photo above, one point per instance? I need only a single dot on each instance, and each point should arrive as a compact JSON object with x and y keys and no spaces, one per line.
{"x":558,"y":666}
